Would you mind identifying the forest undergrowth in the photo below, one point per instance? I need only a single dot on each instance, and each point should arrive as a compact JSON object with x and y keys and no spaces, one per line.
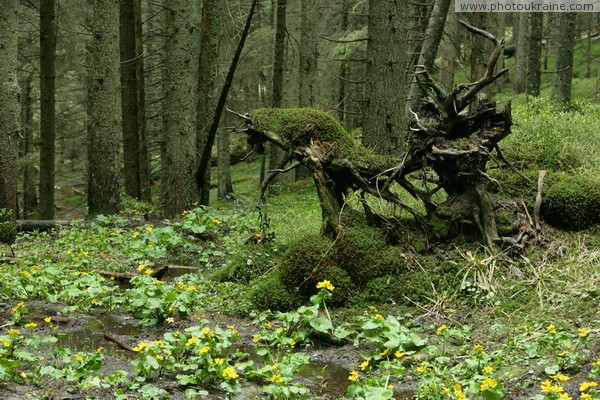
{"x":134,"y":306}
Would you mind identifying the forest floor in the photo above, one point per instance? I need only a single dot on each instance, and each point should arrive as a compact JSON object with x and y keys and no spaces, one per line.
{"x":513,"y":326}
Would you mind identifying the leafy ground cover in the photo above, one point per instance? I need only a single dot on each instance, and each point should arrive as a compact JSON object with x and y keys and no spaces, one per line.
{"x":461,"y":322}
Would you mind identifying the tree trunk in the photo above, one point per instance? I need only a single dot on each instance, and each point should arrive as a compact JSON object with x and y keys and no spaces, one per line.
{"x":47,"y":106}
{"x":276,"y":154}
{"x":564,"y":57}
{"x":385,"y":125}
{"x":520,"y":81}
{"x":144,"y":155}
{"x":9,"y":120}
{"x":179,"y":188}
{"x":104,"y":112}
{"x":450,"y":51}
{"x":207,"y":72}
{"x":30,"y":200}
{"x":534,"y":53}
{"x":429,"y":49}
{"x":131,"y":56}
{"x":309,"y":52}
{"x":224,"y":185}
{"x":341,"y":98}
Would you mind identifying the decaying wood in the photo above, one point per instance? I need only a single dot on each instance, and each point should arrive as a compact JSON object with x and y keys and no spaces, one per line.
{"x":538,"y":203}
{"x":449,"y":136}
{"x":112,"y":338}
{"x":26,"y":225}
{"x":125,"y":277}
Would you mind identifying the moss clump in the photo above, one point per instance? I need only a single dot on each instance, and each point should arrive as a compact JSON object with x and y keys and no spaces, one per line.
{"x":310,"y":260}
{"x":269,"y":293}
{"x":8,"y":227}
{"x":357,"y":250}
{"x":572,"y":202}
{"x":249,"y":262}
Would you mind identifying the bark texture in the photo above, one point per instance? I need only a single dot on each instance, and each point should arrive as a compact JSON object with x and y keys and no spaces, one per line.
{"x":309,"y":52}
{"x":30,"y":199}
{"x":47,"y":106}
{"x":207,"y":72}
{"x":520,"y":81}
{"x":104,"y":111}
{"x":9,"y":120}
{"x":565,"y":45}
{"x":384,"y":128}
{"x":179,"y":189}
{"x":534,"y":53}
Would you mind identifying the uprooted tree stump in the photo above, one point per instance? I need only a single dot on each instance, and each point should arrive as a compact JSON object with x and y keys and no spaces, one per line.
{"x":453,"y":134}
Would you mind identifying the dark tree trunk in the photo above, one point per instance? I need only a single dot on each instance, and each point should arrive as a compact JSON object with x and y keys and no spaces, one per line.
{"x":450,"y":51}
{"x":429,"y":49}
{"x":104,"y":112}
{"x":534,"y":54}
{"x":131,"y":97}
{"x":47,"y":106}
{"x":385,"y":124}
{"x":520,"y":81}
{"x":341,"y":98}
{"x":309,"y":52}
{"x":207,"y":72}
{"x":564,"y":57}
{"x":9,"y":120}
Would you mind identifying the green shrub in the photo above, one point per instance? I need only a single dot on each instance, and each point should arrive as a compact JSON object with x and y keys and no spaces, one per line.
{"x":572,"y":201}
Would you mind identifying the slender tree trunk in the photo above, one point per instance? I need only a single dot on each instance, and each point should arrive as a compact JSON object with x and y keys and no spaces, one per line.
{"x":208,"y":63}
{"x":384,"y":128}
{"x":564,"y":57}
{"x":450,"y":51}
{"x":429,"y":49}
{"x":144,"y":156}
{"x":341,"y":103}
{"x":47,"y":106}
{"x":30,"y":200}
{"x":534,"y":53}
{"x":276,"y":154}
{"x":224,"y":185}
{"x":129,"y":98}
{"x":104,"y":112}
{"x":179,"y":186}
{"x":309,"y":52}
{"x":520,"y":81}
{"x":9,"y":119}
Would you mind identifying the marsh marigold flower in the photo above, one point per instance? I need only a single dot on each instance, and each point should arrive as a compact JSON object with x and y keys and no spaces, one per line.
{"x":363,"y":365}
{"x":276,"y":378}
{"x":488,"y":383}
{"x":353,"y":376}
{"x":229,"y":373}
{"x":13,"y":332}
{"x":587,"y":385}
{"x":30,"y":325}
{"x":552,"y":329}
{"x":441,"y":329}
{"x":582,"y":332}
{"x":586,"y":396}
{"x":560,"y":377}
{"x":325,"y":284}
{"x":460,"y":395}
{"x":488,"y":369}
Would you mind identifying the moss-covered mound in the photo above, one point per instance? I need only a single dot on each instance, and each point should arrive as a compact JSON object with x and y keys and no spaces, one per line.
{"x":249,"y":262}
{"x":572,"y":201}
{"x":269,"y":293}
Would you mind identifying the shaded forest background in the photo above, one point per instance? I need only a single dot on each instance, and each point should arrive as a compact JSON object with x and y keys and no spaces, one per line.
{"x":136,"y":84}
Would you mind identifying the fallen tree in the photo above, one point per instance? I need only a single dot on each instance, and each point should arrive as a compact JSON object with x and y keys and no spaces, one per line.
{"x":453,"y":137}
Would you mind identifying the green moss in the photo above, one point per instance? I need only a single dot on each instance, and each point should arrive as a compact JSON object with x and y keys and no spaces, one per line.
{"x":303,"y":126}
{"x":269,"y":293}
{"x":357,"y":250}
{"x":311,"y":260}
{"x":249,"y":262}
{"x":8,"y":227}
{"x":572,"y":202}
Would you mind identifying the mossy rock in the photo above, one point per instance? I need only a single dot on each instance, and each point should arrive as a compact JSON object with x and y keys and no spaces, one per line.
{"x":249,"y":262}
{"x":310,"y":260}
{"x":572,"y":201}
{"x":406,"y":289}
{"x":269,"y":293}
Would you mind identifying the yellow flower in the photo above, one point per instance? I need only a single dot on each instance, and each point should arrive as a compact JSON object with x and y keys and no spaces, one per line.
{"x":560,"y":377}
{"x":478,"y":349}
{"x":325,"y":284}
{"x":268,"y":325}
{"x":582,"y":332}
{"x":552,"y":329}
{"x":191,"y":341}
{"x":84,"y":253}
{"x":147,"y":271}
{"x":69,"y":251}
{"x":185,"y":212}
{"x":17,"y":307}
{"x":5,"y":343}
{"x":141,"y":346}
{"x":204,"y":349}
{"x":488,"y":369}
{"x":135,"y":234}
{"x":422,"y":367}
{"x":229,"y":373}
{"x":79,"y":358}
{"x":373,"y":309}
{"x":565,"y":396}
{"x":256,"y":339}
{"x":488,"y":383}
{"x":23,"y":375}
{"x":548,"y":387}
{"x":585,"y":396}
{"x":586,"y":385}
{"x":13,"y":332}
{"x":398,"y":354}
{"x":216,"y":221}
{"x":353,"y":376}
{"x":384,"y":353}
{"x":460,"y":395}
{"x":292,"y":343}
{"x":30,"y":325}
{"x":276,"y":378}
{"x":363,"y":365}
{"x":441,"y":329}
{"x":149,"y":229}
{"x":141,"y":267}
{"x":380,"y":317}
{"x":218,"y":361}
{"x":160,"y":357}
{"x":390,"y":387}
{"x":447,"y":391}
{"x":280,"y":330}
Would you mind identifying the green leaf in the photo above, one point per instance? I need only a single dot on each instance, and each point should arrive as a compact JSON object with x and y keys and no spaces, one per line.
{"x":321,"y":324}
